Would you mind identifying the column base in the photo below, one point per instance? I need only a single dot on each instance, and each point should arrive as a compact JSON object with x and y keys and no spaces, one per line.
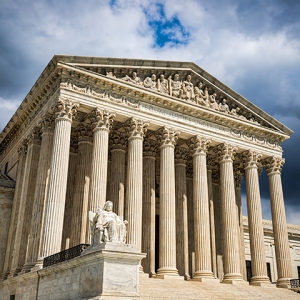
{"x":234,"y":278}
{"x":260,"y":281}
{"x":14,"y":272}
{"x":27,"y":267}
{"x":167,"y":271}
{"x":205,"y":276}
{"x":38,"y":265}
{"x":283,"y":283}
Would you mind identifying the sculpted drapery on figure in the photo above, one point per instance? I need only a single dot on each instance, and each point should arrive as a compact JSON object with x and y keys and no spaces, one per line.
{"x":106,"y":226}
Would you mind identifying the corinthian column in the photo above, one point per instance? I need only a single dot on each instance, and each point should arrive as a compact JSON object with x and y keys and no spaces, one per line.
{"x":22,"y":152}
{"x":232,"y":270}
{"x":256,"y":231}
{"x":148,"y":241}
{"x":25,"y":211}
{"x":202,"y":242}
{"x":167,"y":222}
{"x":81,"y":185}
{"x":283,"y":259}
{"x":55,"y":203}
{"x":102,"y":121}
{"x":118,"y":143}
{"x":47,"y":127}
{"x":238,"y":200}
{"x":136,"y":130}
{"x":182,"y":253}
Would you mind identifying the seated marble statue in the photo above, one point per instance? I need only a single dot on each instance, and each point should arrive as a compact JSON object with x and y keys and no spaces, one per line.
{"x":106,"y":226}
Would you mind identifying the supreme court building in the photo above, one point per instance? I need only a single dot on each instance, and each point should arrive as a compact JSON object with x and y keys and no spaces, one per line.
{"x":168,"y":144}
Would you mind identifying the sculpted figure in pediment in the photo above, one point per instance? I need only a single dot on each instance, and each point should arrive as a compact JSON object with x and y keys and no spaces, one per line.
{"x":212,"y":102}
{"x":110,"y":74}
{"x":223,"y":107}
{"x":162,"y":84}
{"x":201,"y":97}
{"x":175,"y":86}
{"x":188,"y":88}
{"x":134,"y":79}
{"x":150,"y":82}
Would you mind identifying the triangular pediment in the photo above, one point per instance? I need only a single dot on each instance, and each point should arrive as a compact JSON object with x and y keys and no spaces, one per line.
{"x":192,"y":85}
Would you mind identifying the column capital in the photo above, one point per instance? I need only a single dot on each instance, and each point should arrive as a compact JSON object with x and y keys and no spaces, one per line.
{"x":101,"y":119}
{"x":84,"y":132}
{"x":181,"y":155}
{"x":215,"y":176}
{"x":23,"y":148}
{"x":150,"y":147}
{"x":65,"y":109}
{"x":211,"y":162}
{"x":47,"y":124}
{"x":167,"y":136}
{"x":74,"y":142}
{"x":199,"y":144}
{"x":136,"y":128}
{"x":225,"y":152}
{"x":34,"y":137}
{"x":250,"y":159}
{"x":273,"y":164}
{"x":189,"y":170}
{"x":118,"y":140}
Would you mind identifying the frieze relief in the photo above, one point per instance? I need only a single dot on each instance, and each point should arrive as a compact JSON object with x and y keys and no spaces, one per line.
{"x":102,"y":94}
{"x":199,"y":94}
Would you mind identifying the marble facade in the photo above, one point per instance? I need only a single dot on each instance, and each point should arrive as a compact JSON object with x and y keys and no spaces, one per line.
{"x":168,"y":144}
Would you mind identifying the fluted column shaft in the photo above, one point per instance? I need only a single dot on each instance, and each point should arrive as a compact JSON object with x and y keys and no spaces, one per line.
{"x":229,"y":215}
{"x":102,"y":121}
{"x":201,"y":209}
{"x":212,"y":223}
{"x":55,"y":202}
{"x":148,"y":241}
{"x":39,"y":196}
{"x":282,"y":249}
{"x":238,"y":200}
{"x":256,"y":231}
{"x":134,"y":185}
{"x":65,"y":243}
{"x":22,"y":152}
{"x":81,"y":190}
{"x":167,"y":221}
{"x":24,"y":217}
{"x":182,"y":254}
{"x":117,"y":181}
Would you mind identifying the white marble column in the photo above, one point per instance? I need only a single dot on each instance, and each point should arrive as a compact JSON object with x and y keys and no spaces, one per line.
{"x":65,"y":243}
{"x":218,"y":223}
{"x":256,"y":230}
{"x":273,"y":166}
{"x":81,"y":185}
{"x":211,"y":162}
{"x":22,"y":152}
{"x":26,"y":203}
{"x":232,"y":269}
{"x":202,"y":240}
{"x":118,"y":144}
{"x":47,"y":128}
{"x":238,"y":200}
{"x":134,"y":186}
{"x":102,"y":121}
{"x":148,"y":230}
{"x":191,"y":246}
{"x":167,"y":213}
{"x":55,"y":202}
{"x":182,"y":250}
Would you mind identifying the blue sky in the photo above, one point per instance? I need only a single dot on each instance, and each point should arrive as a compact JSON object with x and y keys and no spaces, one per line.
{"x":252,"y":46}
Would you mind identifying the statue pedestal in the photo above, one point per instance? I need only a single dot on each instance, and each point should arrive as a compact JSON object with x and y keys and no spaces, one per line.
{"x":110,"y":270}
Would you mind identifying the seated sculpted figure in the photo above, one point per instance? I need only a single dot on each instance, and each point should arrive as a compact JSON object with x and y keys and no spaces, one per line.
{"x":106,"y":226}
{"x":135,"y":79}
{"x":175,"y":86}
{"x":188,"y":88}
{"x":201,"y":97}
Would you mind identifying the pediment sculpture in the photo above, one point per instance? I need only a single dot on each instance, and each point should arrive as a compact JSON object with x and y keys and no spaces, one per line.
{"x":107,"y":226}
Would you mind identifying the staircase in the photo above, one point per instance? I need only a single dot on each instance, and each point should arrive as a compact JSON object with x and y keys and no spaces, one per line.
{"x":177,"y":288}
